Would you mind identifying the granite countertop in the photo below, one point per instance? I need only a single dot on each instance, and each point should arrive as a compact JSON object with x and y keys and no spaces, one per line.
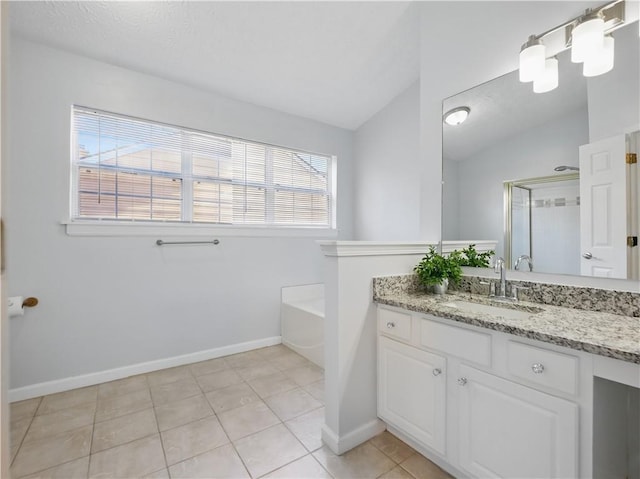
{"x":605,"y":334}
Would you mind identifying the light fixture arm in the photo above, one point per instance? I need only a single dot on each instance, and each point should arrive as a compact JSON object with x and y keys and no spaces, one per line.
{"x":558,"y":38}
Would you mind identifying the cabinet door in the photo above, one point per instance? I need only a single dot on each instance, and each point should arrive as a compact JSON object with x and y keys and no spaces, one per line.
{"x":411,"y":391}
{"x":509,"y":430}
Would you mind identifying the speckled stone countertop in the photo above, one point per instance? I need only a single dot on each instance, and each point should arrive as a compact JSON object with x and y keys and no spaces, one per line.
{"x":595,"y":332}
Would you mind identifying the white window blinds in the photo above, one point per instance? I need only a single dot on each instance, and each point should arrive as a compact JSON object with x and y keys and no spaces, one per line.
{"x":131,"y":169}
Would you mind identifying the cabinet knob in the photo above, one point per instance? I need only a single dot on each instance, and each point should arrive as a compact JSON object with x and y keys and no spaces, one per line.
{"x":391,"y":325}
{"x":436,"y":372}
{"x":462,"y":381}
{"x":537,"y":368}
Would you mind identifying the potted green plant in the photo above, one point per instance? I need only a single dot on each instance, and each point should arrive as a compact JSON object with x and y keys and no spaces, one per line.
{"x":471,"y":257}
{"x":436,"y":270}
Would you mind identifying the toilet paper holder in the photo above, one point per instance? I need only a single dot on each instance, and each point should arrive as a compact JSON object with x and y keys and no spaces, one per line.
{"x":17,"y":304}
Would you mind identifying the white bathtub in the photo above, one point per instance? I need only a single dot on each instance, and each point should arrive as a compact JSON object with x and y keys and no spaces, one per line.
{"x":302,"y":320}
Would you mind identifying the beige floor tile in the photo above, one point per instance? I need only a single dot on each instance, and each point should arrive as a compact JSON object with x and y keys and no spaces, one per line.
{"x":231,"y":397}
{"x":316,"y":389}
{"x":272,"y":384}
{"x":208,"y":367}
{"x":77,"y":469}
{"x":397,"y":473}
{"x":182,"y":412}
{"x":272,"y":352}
{"x":18,"y":429}
{"x":245,"y":420}
{"x":110,"y":408}
{"x":21,"y":409}
{"x":362,"y":462}
{"x":67,"y":399}
{"x":122,"y":386}
{"x":290,"y":404}
{"x":422,"y":468}
{"x":161,"y":474}
{"x":269,"y":450}
{"x":133,"y":459}
{"x":305,"y":375}
{"x":308,"y":428}
{"x":393,"y":447}
{"x":219,"y":380}
{"x":304,"y":468}
{"x":123,"y":429}
{"x":253,"y":372}
{"x":52,"y":451}
{"x":192,"y":439}
{"x":221,"y":463}
{"x":13,"y":450}
{"x":61,"y":421}
{"x":174,"y":391}
{"x":289,"y":360}
{"x":244,"y":360}
{"x":165,"y":376}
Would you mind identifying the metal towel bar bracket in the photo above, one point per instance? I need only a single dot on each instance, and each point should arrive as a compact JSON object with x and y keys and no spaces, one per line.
{"x":162,"y":243}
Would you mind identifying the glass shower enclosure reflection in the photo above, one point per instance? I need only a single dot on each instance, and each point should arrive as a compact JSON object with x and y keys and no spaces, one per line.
{"x":542,"y":220}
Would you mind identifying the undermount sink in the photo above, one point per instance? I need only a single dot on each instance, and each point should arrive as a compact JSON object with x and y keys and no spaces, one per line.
{"x":470,"y":307}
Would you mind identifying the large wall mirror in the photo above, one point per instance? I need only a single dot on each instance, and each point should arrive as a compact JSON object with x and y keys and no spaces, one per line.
{"x":512,"y":172}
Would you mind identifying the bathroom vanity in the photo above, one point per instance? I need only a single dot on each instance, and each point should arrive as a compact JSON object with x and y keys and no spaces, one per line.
{"x":487,"y":389}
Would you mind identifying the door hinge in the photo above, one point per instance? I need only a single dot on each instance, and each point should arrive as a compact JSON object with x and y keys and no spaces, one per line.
{"x":632,"y":241}
{"x":632,"y":158}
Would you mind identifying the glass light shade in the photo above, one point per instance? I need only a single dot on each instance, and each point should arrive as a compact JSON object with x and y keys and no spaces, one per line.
{"x":549,"y":79}
{"x":587,"y":39}
{"x":456,"y":116}
{"x":602,"y":62}
{"x":531,"y":62}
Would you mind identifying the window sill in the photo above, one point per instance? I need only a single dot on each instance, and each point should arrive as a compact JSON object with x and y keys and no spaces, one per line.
{"x":134,"y":228}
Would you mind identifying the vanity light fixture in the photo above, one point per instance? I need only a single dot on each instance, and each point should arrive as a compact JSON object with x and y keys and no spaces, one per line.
{"x":457,"y":115}
{"x":589,"y":38}
{"x":548,"y":80}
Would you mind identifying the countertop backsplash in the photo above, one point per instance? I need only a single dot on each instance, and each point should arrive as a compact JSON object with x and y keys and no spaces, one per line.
{"x":589,"y":299}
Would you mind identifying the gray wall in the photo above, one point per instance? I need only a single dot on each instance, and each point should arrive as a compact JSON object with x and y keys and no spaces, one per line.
{"x":386,"y":189}
{"x":107,"y":302}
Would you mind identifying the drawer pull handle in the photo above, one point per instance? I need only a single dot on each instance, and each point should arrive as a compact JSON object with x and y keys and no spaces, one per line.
{"x":436,"y":372}
{"x":462,"y":381}
{"x":391,"y":325}
{"x":537,"y":368}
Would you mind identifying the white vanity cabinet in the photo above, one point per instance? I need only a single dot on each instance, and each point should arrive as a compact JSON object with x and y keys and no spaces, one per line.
{"x":509,"y":430}
{"x":477,"y":399}
{"x":411,"y":391}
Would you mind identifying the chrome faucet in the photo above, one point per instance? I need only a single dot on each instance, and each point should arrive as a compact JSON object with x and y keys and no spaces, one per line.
{"x":498,"y":267}
{"x":524,"y":257}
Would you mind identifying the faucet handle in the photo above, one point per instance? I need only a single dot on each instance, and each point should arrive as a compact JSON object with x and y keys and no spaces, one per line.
{"x":515,"y":289}
{"x":492,"y":287}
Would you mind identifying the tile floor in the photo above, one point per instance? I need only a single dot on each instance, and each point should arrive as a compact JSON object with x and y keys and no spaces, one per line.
{"x":249,"y":415}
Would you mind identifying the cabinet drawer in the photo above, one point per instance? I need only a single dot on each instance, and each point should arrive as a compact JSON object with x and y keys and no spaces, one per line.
{"x":542,"y":366}
{"x":460,"y":342}
{"x":394,"y":323}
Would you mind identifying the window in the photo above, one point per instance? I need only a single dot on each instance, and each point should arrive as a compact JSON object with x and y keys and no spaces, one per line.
{"x":128,"y":169}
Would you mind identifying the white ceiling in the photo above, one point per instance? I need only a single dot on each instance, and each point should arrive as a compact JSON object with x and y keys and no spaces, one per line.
{"x":335,"y":62}
{"x":504,"y":107}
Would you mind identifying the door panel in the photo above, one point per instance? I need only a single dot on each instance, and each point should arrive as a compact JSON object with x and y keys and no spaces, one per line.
{"x":508,"y":430}
{"x":603,"y":201}
{"x":411,"y":391}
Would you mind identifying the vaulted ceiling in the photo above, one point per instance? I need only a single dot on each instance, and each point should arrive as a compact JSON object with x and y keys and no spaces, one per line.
{"x":334,"y":62}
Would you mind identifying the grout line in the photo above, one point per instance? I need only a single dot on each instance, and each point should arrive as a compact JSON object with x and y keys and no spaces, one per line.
{"x":56,"y":465}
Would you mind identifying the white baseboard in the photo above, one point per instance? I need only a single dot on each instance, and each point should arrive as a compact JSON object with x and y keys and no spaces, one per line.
{"x":341,"y":444}
{"x":59,"y":385}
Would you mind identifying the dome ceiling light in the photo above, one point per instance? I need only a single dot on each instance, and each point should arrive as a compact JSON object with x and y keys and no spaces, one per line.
{"x":457,"y":115}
